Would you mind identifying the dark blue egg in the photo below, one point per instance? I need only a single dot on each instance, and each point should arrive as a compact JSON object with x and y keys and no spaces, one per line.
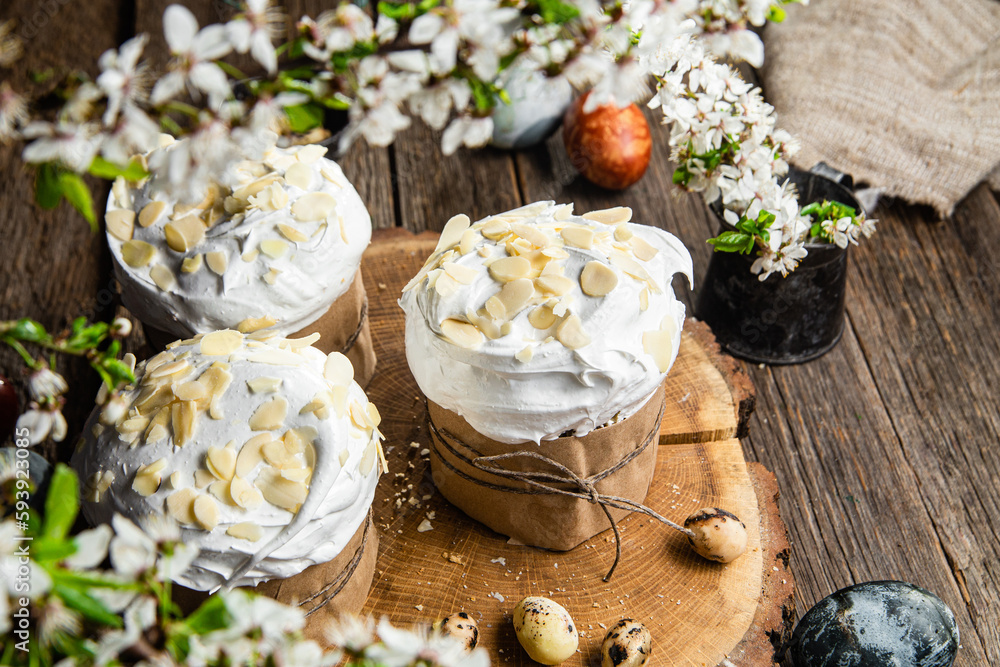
{"x":877,"y":624}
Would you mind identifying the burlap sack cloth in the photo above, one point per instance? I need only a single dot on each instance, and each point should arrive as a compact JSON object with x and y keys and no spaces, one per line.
{"x":323,"y":591}
{"x":517,"y":509}
{"x":345,"y":328}
{"x":901,"y":94}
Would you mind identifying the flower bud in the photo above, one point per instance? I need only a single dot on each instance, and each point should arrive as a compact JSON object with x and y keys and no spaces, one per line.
{"x":121,"y":327}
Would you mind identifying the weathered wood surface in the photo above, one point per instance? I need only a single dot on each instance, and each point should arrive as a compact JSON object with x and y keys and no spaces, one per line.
{"x":699,"y":612}
{"x":886,"y":450}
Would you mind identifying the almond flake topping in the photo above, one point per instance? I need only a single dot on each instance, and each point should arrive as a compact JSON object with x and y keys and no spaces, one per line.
{"x":137,"y":254}
{"x":245,"y":530}
{"x":151,"y":212}
{"x":206,"y":512}
{"x":264,"y":385}
{"x":660,"y":343}
{"x":274,"y":248}
{"x":163,"y":277}
{"x":313,"y":207}
{"x":120,"y":223}
{"x":643,"y":249}
{"x":299,"y":175}
{"x":291,"y":233}
{"x":462,"y":334}
{"x":251,"y":324}
{"x":338,"y":369}
{"x":507,"y":269}
{"x":610,"y":216}
{"x":218,"y":261}
{"x":184,"y":234}
{"x":452,"y":232}
{"x":597,"y":279}
{"x":571,"y":334}
{"x":192,"y":264}
{"x":218,"y":343}
{"x":578,"y":236}
{"x":180,"y":505}
{"x":269,"y":416}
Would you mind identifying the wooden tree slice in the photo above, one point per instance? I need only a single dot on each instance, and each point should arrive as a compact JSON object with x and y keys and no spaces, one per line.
{"x":699,"y":613}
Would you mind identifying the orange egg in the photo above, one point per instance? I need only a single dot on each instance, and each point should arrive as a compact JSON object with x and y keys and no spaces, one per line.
{"x":609,"y":146}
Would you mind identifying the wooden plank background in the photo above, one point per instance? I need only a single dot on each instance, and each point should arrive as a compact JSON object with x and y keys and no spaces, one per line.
{"x":886,"y":450}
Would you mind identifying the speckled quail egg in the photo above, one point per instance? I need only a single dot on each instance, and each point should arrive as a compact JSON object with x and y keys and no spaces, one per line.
{"x":545,"y":630}
{"x":461,"y":626}
{"x":718,"y":535}
{"x":627,"y":644}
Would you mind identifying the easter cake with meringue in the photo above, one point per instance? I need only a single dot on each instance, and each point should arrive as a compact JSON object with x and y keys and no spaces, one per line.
{"x":541,"y":340}
{"x":272,"y":244}
{"x":264,"y":450}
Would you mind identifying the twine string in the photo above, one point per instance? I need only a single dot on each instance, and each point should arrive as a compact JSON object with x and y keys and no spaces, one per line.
{"x":554,"y":483}
{"x":340,"y":582}
{"x":362,"y":318}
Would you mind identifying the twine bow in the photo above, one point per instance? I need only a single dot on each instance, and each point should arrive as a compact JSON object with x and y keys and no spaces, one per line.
{"x":548,"y":483}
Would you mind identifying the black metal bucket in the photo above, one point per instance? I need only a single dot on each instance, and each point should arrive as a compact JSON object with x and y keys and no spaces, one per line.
{"x":786,"y":320}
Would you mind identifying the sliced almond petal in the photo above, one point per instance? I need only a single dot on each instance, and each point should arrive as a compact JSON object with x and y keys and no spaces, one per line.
{"x":221,"y":490}
{"x":190,"y":391}
{"x":515,"y":296}
{"x":221,"y":462}
{"x":218,"y":261}
{"x":137,"y":254}
{"x":134,"y":424}
{"x":206,"y":512}
{"x":563,"y":212}
{"x":163,"y":277}
{"x":313,"y":206}
{"x":170,"y":367}
{"x":184,"y":419}
{"x":151,"y":212}
{"x":462,"y":274}
{"x":368,"y":459}
{"x":244,"y":193}
{"x":445,"y":285}
{"x":660,"y":343}
{"x":571,"y":334}
{"x":245,"y":495}
{"x":192,"y":264}
{"x":271,"y":276}
{"x":299,"y":175}
{"x":644,"y":299}
{"x":525,"y":354}
{"x":203,"y":478}
{"x":281,"y":492}
{"x":598,"y":279}
{"x":274,"y":248}
{"x":374,"y":418}
{"x":506,"y":269}
{"x":496,"y":309}
{"x":146,"y":483}
{"x":177,"y":480}
{"x":264,"y":385}
{"x":338,"y":397}
{"x":542,"y":317}
{"x":469,"y":240}
{"x":338,"y":369}
{"x":578,"y":236}
{"x":310,"y":153}
{"x":495,"y":229}
{"x":555,"y":285}
{"x":251,"y":324}
{"x":250,"y":454}
{"x":250,"y":255}
{"x":452,"y":233}
{"x":532,"y":235}
{"x":623,"y":232}
{"x":462,"y":334}
{"x":245,"y":530}
{"x":270,"y":415}
{"x":610,"y":216}
{"x":296,"y":474}
{"x":218,"y":343}
{"x":184,"y":234}
{"x":276,"y":357}
{"x":180,"y":505}
{"x":292,"y":234}
{"x":643,"y":249}
{"x":120,"y":223}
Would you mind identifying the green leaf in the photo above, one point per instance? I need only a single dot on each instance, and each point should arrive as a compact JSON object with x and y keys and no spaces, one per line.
{"x":107,"y":170}
{"x":117,"y":372}
{"x":90,"y":607}
{"x":211,"y":615}
{"x":90,"y":579}
{"x":47,"y":190}
{"x":733,"y":242}
{"x":29,"y":330}
{"x":62,"y":503}
{"x":776,"y":14}
{"x":47,"y":549}
{"x":556,"y":11}
{"x":304,"y":117}
{"x":78,"y":194}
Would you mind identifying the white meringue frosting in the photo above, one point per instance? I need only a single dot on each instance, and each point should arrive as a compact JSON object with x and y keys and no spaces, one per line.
{"x":280,"y":238}
{"x":535,"y":322}
{"x":264,"y":449}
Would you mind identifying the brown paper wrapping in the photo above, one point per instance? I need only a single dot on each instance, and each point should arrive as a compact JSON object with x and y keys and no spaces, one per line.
{"x":314,"y":589}
{"x":551,"y":521}
{"x":336,"y":327}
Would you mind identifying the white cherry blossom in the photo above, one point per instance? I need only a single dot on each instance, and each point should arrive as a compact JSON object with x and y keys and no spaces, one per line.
{"x":123,"y":78}
{"x":194,"y":51}
{"x":254,"y":31}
